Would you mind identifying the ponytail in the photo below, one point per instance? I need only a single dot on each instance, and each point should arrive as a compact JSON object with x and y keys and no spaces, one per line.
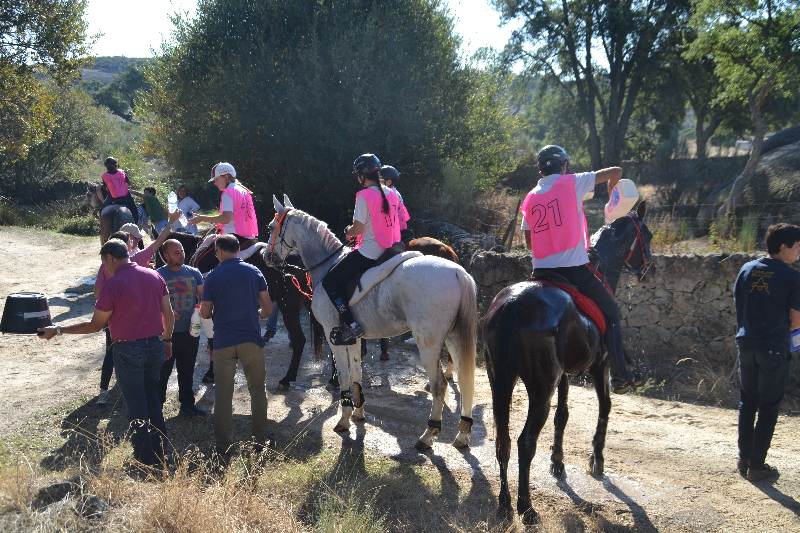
{"x":385,"y":206}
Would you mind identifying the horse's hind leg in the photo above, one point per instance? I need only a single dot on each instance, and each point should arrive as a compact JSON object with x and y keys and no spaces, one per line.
{"x":429,"y":354}
{"x":560,"y":422}
{"x":599,"y":372}
{"x":291,"y":319}
{"x":501,"y":407}
{"x":538,"y":410}
{"x":384,"y":349}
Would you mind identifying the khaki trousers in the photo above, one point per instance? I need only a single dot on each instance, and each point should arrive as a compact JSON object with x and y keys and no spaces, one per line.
{"x":252,"y":357}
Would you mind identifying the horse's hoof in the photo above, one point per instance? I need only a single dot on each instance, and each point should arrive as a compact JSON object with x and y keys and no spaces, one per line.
{"x":505,"y":513}
{"x":422,"y":446}
{"x":461,"y":442}
{"x":529,"y":517}
{"x":384,"y":356}
{"x":358,"y":414}
{"x":597,"y":468}
{"x":283,"y":386}
{"x":341,"y":427}
{"x":557,"y":468}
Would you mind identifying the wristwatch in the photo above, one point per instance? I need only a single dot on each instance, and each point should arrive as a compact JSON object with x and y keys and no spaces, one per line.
{"x":58,"y":330}
{"x":168,"y":340}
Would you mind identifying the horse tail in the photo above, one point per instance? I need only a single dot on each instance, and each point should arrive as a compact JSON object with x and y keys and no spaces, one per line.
{"x":317,"y":334}
{"x":466,"y":332}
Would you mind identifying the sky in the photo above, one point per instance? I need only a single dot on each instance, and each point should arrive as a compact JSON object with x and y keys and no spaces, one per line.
{"x":133,"y":28}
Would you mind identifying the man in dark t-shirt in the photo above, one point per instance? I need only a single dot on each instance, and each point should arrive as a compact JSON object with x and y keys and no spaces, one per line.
{"x":767,"y":297}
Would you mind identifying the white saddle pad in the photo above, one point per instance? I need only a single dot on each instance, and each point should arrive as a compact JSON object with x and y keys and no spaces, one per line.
{"x":375,"y":275}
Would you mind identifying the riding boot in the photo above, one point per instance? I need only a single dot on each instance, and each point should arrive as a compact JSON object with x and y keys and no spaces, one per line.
{"x":623,"y":379}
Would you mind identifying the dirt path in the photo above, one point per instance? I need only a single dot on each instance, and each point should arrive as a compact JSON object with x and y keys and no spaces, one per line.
{"x":669,"y":465}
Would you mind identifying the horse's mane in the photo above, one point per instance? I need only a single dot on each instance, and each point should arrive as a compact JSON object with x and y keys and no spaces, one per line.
{"x":321,"y":228}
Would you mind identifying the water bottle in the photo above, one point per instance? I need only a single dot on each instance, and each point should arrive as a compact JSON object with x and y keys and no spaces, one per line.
{"x":795,"y":333}
{"x":172,"y":200}
{"x":208,"y":327}
{"x":197,"y":322}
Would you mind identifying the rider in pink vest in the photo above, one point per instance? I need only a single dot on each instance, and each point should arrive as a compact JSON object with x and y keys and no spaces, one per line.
{"x":375,"y":221}
{"x":390,"y":177}
{"x":237,"y":215}
{"x":116,"y":183}
{"x":556,"y":233}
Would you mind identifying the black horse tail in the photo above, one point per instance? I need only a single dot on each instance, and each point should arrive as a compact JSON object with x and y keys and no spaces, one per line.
{"x":317,"y":334}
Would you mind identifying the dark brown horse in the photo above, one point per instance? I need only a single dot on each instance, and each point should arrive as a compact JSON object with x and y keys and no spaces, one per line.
{"x":112,"y":217}
{"x":282,"y":290}
{"x":427,"y":246}
{"x":533,"y":331}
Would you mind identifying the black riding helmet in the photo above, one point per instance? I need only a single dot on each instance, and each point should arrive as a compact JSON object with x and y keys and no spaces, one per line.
{"x":551,"y":158}
{"x":110,"y":163}
{"x":388,"y":172}
{"x":366,"y":164}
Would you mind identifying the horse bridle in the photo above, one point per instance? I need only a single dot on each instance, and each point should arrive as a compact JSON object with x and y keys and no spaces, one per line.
{"x":644,"y":248}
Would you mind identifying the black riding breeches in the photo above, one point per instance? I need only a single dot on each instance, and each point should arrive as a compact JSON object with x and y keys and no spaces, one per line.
{"x":334,"y":281}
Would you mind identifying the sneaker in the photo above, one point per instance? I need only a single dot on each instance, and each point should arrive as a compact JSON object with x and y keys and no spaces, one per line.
{"x":621,"y":385}
{"x":192,"y":410}
{"x":742,"y":465}
{"x":102,"y":398}
{"x":346,"y":335}
{"x":209,"y":377}
{"x":757,"y":474}
{"x":640,"y":375}
{"x":268,"y":335}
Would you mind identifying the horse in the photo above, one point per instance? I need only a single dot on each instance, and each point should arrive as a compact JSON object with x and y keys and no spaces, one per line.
{"x":426,"y":246}
{"x":290,"y":298}
{"x":433,"y":298}
{"x":533,"y":331}
{"x":112,"y":217}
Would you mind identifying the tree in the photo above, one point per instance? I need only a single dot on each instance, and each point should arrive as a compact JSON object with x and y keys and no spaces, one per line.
{"x":292,"y":92}
{"x":559,"y":40}
{"x":119,"y":95}
{"x":755,"y":45}
{"x":36,"y":37}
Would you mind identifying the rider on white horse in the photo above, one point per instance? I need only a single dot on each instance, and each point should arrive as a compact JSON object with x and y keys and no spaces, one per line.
{"x":376,"y":225}
{"x":559,"y":243}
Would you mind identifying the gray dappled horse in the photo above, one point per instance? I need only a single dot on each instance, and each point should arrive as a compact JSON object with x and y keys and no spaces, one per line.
{"x":432,"y":297}
{"x":534,"y":332}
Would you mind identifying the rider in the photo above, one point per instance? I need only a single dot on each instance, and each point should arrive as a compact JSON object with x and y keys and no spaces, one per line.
{"x":375,"y":220}
{"x":390,"y":177}
{"x":559,"y":243}
{"x":236,"y":212}
{"x":117,"y":185}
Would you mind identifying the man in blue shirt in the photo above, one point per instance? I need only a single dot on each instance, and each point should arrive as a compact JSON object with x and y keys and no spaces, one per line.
{"x":232,"y":294}
{"x":767,"y":297}
{"x":185,"y":285}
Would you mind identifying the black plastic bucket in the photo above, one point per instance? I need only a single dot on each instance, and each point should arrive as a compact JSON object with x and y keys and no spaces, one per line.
{"x":25,"y":312}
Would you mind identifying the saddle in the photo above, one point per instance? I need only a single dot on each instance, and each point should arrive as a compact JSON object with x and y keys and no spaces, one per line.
{"x":357,"y":287}
{"x":585,"y":304}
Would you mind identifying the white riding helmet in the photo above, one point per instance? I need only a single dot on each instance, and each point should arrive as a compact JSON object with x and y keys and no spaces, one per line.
{"x":220,"y":169}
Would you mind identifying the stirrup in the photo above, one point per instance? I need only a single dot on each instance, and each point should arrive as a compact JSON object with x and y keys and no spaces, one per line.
{"x":344,"y":336}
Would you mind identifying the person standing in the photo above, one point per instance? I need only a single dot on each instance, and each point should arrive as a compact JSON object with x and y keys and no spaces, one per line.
{"x":767,"y":298}
{"x":189,"y":207}
{"x":185,"y":285}
{"x":236,"y":295}
{"x":129,"y":234}
{"x":559,"y":243}
{"x":155,"y":211}
{"x":135,"y":304}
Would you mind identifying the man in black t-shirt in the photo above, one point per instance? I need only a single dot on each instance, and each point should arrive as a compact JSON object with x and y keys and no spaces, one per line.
{"x":767,"y":297}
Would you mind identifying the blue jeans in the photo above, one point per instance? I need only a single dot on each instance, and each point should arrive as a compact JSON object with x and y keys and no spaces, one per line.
{"x":764,"y":376}
{"x":272,"y":320}
{"x":160,"y":225}
{"x":137,"y":365}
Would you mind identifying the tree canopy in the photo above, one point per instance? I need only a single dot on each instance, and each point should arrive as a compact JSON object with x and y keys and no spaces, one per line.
{"x":292,"y":92}
{"x":36,"y":37}
{"x":602,"y":54}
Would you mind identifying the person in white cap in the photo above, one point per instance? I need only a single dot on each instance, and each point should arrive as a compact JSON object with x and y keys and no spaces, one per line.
{"x":237,"y":215}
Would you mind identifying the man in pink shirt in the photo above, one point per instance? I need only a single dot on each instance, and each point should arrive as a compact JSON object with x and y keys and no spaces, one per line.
{"x":135,"y":304}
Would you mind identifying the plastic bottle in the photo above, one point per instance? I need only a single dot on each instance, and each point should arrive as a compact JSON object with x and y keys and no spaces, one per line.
{"x":197,"y":322}
{"x":623,"y":197}
{"x":172,"y":201}
{"x":795,"y":339}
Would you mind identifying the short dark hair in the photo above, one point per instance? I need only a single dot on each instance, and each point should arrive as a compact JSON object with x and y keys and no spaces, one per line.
{"x":115,"y":248}
{"x":121,"y":235}
{"x":782,"y":233}
{"x":150,"y":189}
{"x":227,"y":243}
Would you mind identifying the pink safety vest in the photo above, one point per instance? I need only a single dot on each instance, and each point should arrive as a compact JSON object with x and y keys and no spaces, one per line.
{"x":553,"y":218}
{"x":117,"y":187}
{"x":244,"y":214}
{"x":386,"y":227}
{"x":403,"y":216}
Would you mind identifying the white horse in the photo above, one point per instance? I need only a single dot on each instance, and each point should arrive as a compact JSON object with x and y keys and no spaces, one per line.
{"x":432,"y":297}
